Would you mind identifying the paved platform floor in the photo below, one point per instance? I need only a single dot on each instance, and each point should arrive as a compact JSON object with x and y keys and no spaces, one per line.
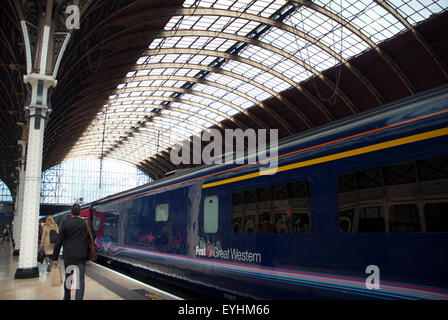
{"x":101,"y":283}
{"x":38,"y":288}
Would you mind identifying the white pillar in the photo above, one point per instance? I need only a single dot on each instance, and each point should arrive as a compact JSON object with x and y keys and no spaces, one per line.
{"x":38,"y":108}
{"x":19,"y":201}
{"x":38,"y":112}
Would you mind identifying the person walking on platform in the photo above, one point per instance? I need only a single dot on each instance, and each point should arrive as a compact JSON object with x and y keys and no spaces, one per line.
{"x":6,"y":233}
{"x":48,"y":240}
{"x":74,"y":236}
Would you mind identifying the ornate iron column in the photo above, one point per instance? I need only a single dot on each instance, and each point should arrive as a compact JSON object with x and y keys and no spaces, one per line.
{"x":38,"y":113}
{"x":44,"y":48}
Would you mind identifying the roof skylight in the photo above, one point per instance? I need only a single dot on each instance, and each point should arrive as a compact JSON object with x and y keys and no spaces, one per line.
{"x":208,"y":65}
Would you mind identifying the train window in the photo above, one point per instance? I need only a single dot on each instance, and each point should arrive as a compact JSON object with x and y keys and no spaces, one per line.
{"x":347,"y":183}
{"x":250,"y":196}
{"x":389,"y":198}
{"x":263,"y":194}
{"x":400,"y":174}
{"x":302,"y":224}
{"x":238,"y":198}
{"x":279,"y":192}
{"x":433,"y":169}
{"x":133,"y":228}
{"x":404,"y":218}
{"x":96,"y":223}
{"x":371,"y":219}
{"x":162,"y":212}
{"x":436,"y":217}
{"x":211,"y":211}
{"x":236,"y":225}
{"x":281,"y":225}
{"x":297,"y":189}
{"x":249,"y":226}
{"x":265,"y":225}
{"x":346,"y":220}
{"x":368,"y":178}
{"x":110,"y":226}
{"x":281,"y":208}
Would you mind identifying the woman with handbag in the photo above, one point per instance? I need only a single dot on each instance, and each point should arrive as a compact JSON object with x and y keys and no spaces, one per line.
{"x":49,"y":237}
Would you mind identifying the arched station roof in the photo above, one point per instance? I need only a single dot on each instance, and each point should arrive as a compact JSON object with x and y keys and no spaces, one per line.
{"x":140,"y":76}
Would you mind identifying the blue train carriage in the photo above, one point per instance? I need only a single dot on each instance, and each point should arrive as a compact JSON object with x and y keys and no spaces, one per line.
{"x":355,"y":209}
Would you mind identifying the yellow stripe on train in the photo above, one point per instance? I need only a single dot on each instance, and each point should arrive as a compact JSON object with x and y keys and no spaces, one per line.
{"x":336,"y":156}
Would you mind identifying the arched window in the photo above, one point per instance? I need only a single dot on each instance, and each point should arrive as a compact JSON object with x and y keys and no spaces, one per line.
{"x":5,"y":193}
{"x":86,"y":180}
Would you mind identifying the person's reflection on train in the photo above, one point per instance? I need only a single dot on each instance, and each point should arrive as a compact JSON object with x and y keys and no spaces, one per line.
{"x":281,"y":225}
{"x":170,"y":238}
{"x":162,"y":237}
{"x":289,"y":220}
{"x":266,"y":225}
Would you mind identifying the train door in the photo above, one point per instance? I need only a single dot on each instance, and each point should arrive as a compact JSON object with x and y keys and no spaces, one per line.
{"x":209,"y":219}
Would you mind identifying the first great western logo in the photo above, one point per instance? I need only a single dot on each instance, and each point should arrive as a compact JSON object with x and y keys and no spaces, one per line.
{"x":228,"y":254}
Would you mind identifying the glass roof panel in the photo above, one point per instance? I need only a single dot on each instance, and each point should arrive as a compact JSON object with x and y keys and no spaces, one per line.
{"x":279,"y":58}
{"x":239,"y":85}
{"x":323,"y":29}
{"x":416,"y":11}
{"x":276,"y":62}
{"x":261,"y":7}
{"x":367,"y":16}
{"x":264,"y":78}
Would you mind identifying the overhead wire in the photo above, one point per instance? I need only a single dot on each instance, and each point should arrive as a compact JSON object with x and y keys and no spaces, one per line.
{"x":115,"y":99}
{"x":176,"y":28}
{"x":307,"y":59}
{"x":332,"y":99}
{"x":109,"y":11}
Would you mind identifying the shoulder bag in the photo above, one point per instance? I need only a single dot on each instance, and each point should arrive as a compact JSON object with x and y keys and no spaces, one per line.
{"x":53,"y":236}
{"x":92,"y":256}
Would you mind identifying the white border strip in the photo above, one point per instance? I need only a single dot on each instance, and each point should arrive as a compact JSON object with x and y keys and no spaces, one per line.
{"x":140,"y":283}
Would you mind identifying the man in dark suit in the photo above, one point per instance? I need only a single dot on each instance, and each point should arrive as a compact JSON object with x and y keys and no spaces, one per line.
{"x":73,"y":235}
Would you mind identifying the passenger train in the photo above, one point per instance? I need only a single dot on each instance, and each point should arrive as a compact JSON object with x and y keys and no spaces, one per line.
{"x":357,"y":209}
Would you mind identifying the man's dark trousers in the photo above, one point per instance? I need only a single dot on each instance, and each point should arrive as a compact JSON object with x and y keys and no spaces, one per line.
{"x":80,"y":267}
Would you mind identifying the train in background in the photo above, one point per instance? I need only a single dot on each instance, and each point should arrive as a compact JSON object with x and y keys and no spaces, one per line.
{"x":357,"y":209}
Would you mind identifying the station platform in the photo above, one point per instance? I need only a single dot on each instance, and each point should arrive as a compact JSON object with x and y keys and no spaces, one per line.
{"x":101,"y":283}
